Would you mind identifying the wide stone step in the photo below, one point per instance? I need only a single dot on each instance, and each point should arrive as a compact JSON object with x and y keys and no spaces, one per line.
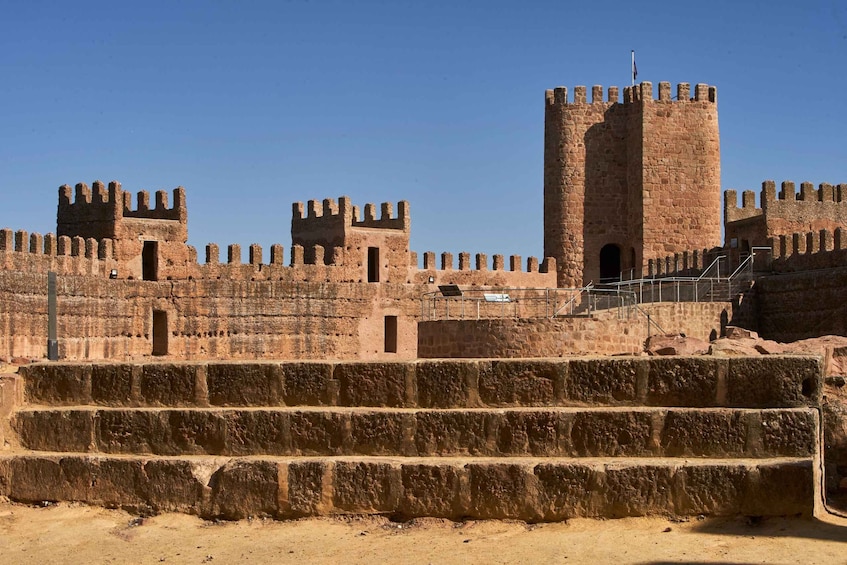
{"x":771,"y":382}
{"x":541,"y":489}
{"x":548,"y":432}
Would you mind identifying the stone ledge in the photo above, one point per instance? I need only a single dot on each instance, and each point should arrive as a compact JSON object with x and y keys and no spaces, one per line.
{"x":545,"y":489}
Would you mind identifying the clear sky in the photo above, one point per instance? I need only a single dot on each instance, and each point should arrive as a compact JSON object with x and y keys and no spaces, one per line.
{"x":253,"y":105}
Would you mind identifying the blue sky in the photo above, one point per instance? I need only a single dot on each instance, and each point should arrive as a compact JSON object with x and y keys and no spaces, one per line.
{"x":253,"y":105}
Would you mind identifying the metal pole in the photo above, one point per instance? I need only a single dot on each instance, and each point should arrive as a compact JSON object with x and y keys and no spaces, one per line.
{"x":52,"y":341}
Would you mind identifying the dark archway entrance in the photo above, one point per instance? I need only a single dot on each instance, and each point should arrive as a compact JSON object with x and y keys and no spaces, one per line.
{"x":610,"y":262}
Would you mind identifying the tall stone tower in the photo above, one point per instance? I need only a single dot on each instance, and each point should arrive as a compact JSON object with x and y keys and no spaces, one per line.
{"x":628,"y":182}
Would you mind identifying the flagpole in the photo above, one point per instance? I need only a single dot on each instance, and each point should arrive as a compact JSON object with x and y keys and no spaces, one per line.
{"x":632,"y":68}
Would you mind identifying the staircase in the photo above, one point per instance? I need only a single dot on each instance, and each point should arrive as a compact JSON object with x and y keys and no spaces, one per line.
{"x":535,"y":440}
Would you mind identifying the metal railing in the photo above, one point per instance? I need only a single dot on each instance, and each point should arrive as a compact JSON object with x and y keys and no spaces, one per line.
{"x":476,"y":304}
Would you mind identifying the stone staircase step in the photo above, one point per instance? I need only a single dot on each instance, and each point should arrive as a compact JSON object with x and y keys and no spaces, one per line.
{"x":549,"y":432}
{"x":768,"y":382}
{"x":531,"y":489}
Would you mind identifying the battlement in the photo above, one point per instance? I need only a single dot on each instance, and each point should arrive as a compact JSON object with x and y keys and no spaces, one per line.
{"x":480,"y":263}
{"x":822,"y":249}
{"x":345,"y":214}
{"x":642,"y":92}
{"x":114,"y":202}
{"x":684,"y":264}
{"x":805,"y":207}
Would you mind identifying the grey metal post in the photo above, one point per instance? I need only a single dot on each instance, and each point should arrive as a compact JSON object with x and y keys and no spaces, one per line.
{"x":52,"y":342}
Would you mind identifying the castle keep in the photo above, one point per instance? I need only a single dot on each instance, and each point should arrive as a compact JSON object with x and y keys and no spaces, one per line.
{"x":625,"y":182}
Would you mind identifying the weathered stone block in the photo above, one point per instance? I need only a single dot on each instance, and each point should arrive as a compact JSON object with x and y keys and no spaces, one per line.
{"x":380,"y":433}
{"x":257,"y":432}
{"x":178,"y":485}
{"x":55,"y":430}
{"x":244,"y":384}
{"x":521,"y":383}
{"x":306,"y":488}
{"x":715,"y":490}
{"x":539,"y":433}
{"x":683,"y":381}
{"x":57,"y":385}
{"x":780,"y":489}
{"x":197,"y":432}
{"x":454,"y":433}
{"x":308,"y":384}
{"x":374,"y":384}
{"x":774,"y":382}
{"x":611,"y":434}
{"x":365,"y":487}
{"x":111,"y":385}
{"x":245,"y":488}
{"x":447,"y":384}
{"x":319,"y":433}
{"x":568,"y":491}
{"x":434,"y":490}
{"x":134,"y":431}
{"x":168,"y":384}
{"x":704,"y":434}
{"x":789,"y":433}
{"x":637,"y":490}
{"x":502,"y":491}
{"x":607,"y":381}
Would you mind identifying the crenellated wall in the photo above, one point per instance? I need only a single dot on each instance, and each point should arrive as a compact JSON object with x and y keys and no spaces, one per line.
{"x":627,"y":181}
{"x":785,"y":212}
{"x":319,"y":302}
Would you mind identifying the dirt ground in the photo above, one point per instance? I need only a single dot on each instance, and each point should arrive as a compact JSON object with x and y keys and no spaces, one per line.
{"x":70,"y":533}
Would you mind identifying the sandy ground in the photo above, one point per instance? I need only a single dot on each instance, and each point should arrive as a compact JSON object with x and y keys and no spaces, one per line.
{"x":69,"y":533}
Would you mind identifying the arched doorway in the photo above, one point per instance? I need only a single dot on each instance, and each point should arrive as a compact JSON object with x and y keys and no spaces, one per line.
{"x":610,"y":262}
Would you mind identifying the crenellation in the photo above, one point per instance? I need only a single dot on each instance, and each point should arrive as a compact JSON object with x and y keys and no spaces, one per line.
{"x":807,"y":192}
{"x":787,"y":191}
{"x":579,"y":95}
{"x":683,"y":92}
{"x":446,"y":261}
{"x":481,"y":262}
{"x":36,"y":243}
{"x":548,"y":265}
{"x":613,"y":95}
{"x":386,"y":211}
{"x":143,"y":201}
{"x":277,"y":257}
{"x":296,"y":255}
{"x":429,"y":261}
{"x":83,"y":194}
{"x":7,"y":240}
{"x":255,"y":253}
{"x":330,"y":208}
{"x":664,"y":91}
{"x":316,"y":255}
{"x":51,"y":244}
{"x":532,"y":265}
{"x":106,"y":250}
{"x":314,"y":209}
{"x":748,"y":199}
{"x":297,"y":210}
{"x":99,"y":193}
{"x":701,"y":93}
{"x":464,"y":261}
{"x":213,"y":254}
{"x":21,"y":241}
{"x":498,"y":263}
{"x":645,"y":91}
{"x":233,"y":254}
{"x":825,"y":239}
{"x":161,"y":200}
{"x":515,"y":263}
{"x":91,"y":248}
{"x":596,"y":94}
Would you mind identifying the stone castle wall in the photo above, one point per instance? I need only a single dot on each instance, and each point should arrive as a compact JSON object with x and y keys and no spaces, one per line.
{"x":606,"y":333}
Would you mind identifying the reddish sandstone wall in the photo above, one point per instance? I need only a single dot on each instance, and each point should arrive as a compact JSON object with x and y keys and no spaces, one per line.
{"x":604,"y":334}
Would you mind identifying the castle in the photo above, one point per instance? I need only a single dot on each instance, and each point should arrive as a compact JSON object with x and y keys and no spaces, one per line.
{"x":350,"y":395}
{"x":631,"y":191}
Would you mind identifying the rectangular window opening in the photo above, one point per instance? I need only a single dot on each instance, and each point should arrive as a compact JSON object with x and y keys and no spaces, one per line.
{"x":150,"y":261}
{"x":160,"y":332}
{"x":391,"y":334}
{"x":373,"y":264}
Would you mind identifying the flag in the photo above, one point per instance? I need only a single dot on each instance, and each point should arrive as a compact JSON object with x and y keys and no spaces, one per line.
{"x":634,"y":69}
